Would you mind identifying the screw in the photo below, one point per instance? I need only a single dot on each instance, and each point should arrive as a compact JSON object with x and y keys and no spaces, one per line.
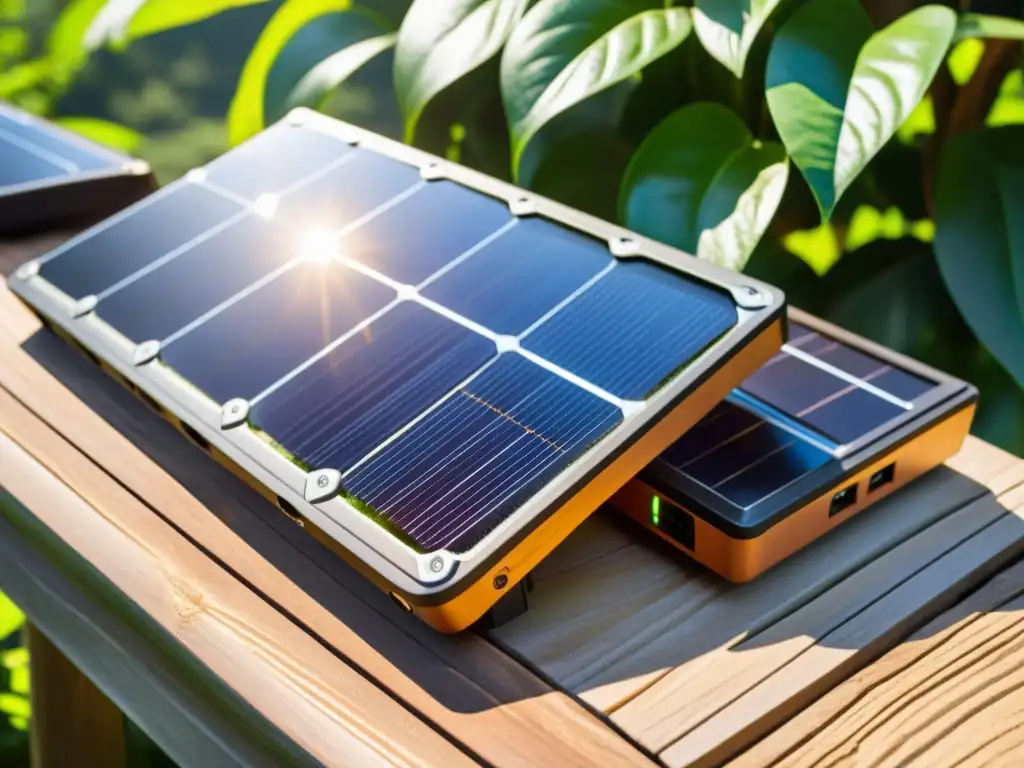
{"x":323,"y":481}
{"x":500,"y":581}
{"x":437,"y":565}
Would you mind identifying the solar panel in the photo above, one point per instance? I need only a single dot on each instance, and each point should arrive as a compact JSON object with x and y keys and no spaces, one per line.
{"x":437,"y":371}
{"x":49,"y":176}
{"x":815,"y":423}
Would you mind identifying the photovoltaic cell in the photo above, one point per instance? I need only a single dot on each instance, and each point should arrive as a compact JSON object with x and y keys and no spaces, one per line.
{"x":366,"y":318}
{"x":426,"y":231}
{"x":165,"y":300}
{"x":536,"y":262}
{"x":633,"y":329}
{"x":355,"y":397}
{"x":472,"y":462}
{"x":158,"y":227}
{"x":791,"y":417}
{"x":256,"y":341}
{"x":33,"y":151}
{"x":274,"y":161}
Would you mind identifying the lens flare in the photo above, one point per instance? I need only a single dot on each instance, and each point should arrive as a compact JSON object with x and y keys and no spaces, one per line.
{"x":319,"y":247}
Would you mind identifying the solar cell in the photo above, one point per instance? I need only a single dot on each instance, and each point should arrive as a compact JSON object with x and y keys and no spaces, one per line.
{"x":52,"y":176}
{"x":794,"y":415}
{"x":410,"y":338}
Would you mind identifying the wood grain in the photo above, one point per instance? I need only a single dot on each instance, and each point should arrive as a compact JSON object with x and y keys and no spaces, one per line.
{"x":321,"y":704}
{"x":857,"y":641}
{"x":488,"y":701}
{"x":609,"y":638}
{"x":73,"y":724}
{"x":952,"y":694}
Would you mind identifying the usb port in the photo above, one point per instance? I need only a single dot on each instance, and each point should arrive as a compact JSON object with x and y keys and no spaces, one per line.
{"x":843,"y":499}
{"x":881,"y":477}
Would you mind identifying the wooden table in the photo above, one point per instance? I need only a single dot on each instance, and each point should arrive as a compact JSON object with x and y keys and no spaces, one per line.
{"x":232,"y":637}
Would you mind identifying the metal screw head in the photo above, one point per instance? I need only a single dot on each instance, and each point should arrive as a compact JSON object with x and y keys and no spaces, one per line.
{"x":749,"y":297}
{"x":323,"y":481}
{"x":500,"y":581}
{"x":437,"y":565}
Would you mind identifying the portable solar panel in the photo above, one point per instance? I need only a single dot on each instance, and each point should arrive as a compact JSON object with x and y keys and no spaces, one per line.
{"x":824,"y":429}
{"x":438,"y":374}
{"x":52,"y":177}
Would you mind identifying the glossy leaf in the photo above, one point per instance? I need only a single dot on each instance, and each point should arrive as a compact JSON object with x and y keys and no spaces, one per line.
{"x":997,"y":27}
{"x":702,"y":183}
{"x":121,"y":21}
{"x":727,"y":28}
{"x":441,"y":41}
{"x":979,"y":238}
{"x":66,"y":42}
{"x":565,"y":51}
{"x":298,"y":37}
{"x":104,"y":132}
{"x":838,"y":93}
{"x":330,"y":73}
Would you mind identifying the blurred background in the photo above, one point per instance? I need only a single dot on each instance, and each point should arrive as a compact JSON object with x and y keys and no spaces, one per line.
{"x":871,"y":267}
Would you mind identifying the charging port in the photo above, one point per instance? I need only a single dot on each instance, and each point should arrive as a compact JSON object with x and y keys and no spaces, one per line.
{"x":882,"y":477}
{"x":843,"y":499}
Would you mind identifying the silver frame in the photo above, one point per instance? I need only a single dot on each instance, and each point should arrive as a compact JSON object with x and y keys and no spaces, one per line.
{"x":423,"y":578}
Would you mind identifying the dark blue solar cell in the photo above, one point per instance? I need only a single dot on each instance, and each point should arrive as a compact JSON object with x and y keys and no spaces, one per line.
{"x":252,"y":344}
{"x":153,"y":229}
{"x":65,"y":152}
{"x":512,"y":282}
{"x":166,"y":299}
{"x":902,"y":384}
{"x":793,"y":386}
{"x":742,"y":457}
{"x":853,"y":415}
{"x":424,"y":232}
{"x":20,"y":166}
{"x":337,"y":410}
{"x":347,"y":192}
{"x":779,"y":466}
{"x":274,"y":160}
{"x":473,"y":461}
{"x":633,"y":328}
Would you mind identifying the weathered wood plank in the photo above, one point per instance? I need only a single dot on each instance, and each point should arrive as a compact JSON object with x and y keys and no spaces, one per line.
{"x":951,"y":694}
{"x":472,"y":690}
{"x":73,"y":724}
{"x":320,"y":703}
{"x":608,"y":638}
{"x":857,"y":641}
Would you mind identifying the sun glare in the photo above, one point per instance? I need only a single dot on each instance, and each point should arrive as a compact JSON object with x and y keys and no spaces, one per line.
{"x":319,"y":247}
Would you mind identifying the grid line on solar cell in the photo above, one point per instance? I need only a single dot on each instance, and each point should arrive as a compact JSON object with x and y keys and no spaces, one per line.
{"x":492,"y":441}
{"x":49,"y":157}
{"x":841,"y":374}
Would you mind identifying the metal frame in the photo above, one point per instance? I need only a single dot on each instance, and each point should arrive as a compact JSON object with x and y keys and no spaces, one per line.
{"x":949,"y":396}
{"x":434,"y":577}
{"x":66,"y":199}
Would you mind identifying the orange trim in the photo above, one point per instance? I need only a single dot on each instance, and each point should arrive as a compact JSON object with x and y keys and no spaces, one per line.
{"x":740,"y":560}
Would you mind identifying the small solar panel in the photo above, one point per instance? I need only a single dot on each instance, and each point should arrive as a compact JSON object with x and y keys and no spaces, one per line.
{"x":423,"y":361}
{"x":824,"y":407}
{"x":49,"y":176}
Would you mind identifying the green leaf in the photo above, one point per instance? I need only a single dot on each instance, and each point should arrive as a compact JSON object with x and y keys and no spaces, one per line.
{"x":702,"y":183}
{"x":727,"y":28}
{"x":441,"y":41}
{"x":24,"y":76}
{"x":11,"y":617}
{"x":979,"y":237}
{"x":122,"y":21}
{"x":317,"y":84}
{"x":66,"y":43}
{"x":299,"y":36}
{"x":565,"y":51}
{"x":983,"y":25}
{"x":103,"y":131}
{"x":838,"y":93}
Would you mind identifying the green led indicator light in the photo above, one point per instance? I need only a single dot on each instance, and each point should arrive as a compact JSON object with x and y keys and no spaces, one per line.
{"x":655,"y":510}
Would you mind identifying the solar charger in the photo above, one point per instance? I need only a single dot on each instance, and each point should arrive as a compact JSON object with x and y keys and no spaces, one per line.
{"x":51,"y":177}
{"x":438,"y":374}
{"x":830,"y":425}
